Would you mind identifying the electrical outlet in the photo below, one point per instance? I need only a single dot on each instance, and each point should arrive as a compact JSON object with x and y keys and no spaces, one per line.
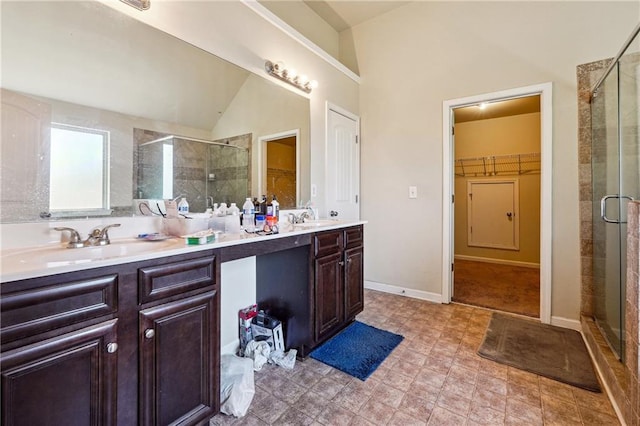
{"x":413,"y":192}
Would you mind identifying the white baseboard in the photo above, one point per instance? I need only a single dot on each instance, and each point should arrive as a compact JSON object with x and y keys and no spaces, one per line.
{"x":566,"y":323}
{"x":230,"y":348}
{"x":498,"y":261}
{"x":401,"y":291}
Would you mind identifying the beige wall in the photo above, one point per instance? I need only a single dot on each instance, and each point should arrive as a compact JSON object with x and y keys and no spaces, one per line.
{"x":307,"y":22}
{"x":518,"y":134}
{"x":419,"y":55}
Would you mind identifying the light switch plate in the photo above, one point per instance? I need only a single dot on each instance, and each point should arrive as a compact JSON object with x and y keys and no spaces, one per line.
{"x":314,"y":190}
{"x":413,"y":192}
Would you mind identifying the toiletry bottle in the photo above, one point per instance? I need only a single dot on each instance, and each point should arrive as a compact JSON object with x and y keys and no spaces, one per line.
{"x":256,"y":205}
{"x":263,"y":205}
{"x":223,"y":209}
{"x":183,"y":206}
{"x":248,"y":218}
{"x":273,"y":209}
{"x":233,"y":210}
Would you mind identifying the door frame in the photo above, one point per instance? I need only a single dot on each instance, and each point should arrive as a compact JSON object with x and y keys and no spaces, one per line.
{"x":262,"y":159}
{"x":348,"y":114}
{"x":544,"y":90}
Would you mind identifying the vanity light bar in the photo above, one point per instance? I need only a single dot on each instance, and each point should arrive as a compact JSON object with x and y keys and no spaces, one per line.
{"x":277,"y":70}
{"x":138,"y":4}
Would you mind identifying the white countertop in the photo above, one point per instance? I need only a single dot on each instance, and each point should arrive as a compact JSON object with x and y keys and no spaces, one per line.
{"x":54,"y":258}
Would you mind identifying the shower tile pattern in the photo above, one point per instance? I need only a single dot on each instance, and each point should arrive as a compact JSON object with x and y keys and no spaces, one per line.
{"x":434,"y":377}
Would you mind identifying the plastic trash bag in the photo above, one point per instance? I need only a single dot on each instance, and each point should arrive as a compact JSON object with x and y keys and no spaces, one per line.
{"x":259,"y":352}
{"x":287,"y":361}
{"x":236,"y":385}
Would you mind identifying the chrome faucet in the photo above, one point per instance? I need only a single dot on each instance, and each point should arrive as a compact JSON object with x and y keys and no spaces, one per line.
{"x":74,"y":241}
{"x":97,"y":237}
{"x":100,"y":237}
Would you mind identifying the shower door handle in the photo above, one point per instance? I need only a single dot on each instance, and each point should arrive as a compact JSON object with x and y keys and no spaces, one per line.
{"x":603,"y":207}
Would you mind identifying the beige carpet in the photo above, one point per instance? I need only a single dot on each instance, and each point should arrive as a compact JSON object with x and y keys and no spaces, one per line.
{"x":506,"y":288}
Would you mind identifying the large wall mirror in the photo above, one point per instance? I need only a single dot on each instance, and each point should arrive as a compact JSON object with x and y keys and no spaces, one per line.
{"x":100,"y":110}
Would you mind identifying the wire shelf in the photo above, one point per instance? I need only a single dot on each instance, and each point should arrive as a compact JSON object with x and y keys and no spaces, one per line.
{"x":514,"y":164}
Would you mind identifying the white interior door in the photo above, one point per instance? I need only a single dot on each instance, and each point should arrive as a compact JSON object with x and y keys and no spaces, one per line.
{"x":493,"y":217}
{"x":343,"y":165}
{"x":26,"y":132}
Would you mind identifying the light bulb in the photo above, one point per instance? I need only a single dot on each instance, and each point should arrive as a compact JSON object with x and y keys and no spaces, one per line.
{"x":303,"y":79}
{"x":313,"y":84}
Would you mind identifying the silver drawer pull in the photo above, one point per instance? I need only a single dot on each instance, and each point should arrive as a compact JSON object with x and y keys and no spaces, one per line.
{"x":149,"y":333}
{"x":112,"y":347}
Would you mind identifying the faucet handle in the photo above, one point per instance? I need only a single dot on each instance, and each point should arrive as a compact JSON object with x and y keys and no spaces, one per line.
{"x":75,"y":241}
{"x":104,"y":233}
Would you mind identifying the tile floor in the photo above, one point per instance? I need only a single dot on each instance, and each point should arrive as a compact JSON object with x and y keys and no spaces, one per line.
{"x":433,"y":377}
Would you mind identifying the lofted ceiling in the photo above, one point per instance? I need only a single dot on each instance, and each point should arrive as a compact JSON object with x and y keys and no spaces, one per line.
{"x":344,"y":14}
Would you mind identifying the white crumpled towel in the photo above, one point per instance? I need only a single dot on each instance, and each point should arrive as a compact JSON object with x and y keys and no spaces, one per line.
{"x":259,"y":352}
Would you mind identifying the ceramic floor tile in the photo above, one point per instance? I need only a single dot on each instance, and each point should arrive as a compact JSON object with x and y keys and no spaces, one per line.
{"x":443,"y":417}
{"x":334,"y":415}
{"x":402,"y":419}
{"x":435,"y":377}
{"x":484,"y":415}
{"x":492,"y":384}
{"x":416,"y":407}
{"x":523,"y":411}
{"x":293,"y":417}
{"x":311,"y":403}
{"x":454,"y":403}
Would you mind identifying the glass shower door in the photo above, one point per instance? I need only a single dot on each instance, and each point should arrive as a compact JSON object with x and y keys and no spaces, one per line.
{"x":615,"y":163}
{"x":607,"y":227}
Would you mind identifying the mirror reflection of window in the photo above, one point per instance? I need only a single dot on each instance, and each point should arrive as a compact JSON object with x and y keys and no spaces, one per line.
{"x":79,"y":169}
{"x":167,"y":171}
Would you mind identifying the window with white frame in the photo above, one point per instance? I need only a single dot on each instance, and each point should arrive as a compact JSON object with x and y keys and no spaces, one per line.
{"x":79,"y":177}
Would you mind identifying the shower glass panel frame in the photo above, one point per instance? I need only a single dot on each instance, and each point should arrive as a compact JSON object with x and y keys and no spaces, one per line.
{"x":615,"y":161}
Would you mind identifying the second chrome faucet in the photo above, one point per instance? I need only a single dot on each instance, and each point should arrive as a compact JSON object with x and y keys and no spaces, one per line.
{"x":97,"y":237}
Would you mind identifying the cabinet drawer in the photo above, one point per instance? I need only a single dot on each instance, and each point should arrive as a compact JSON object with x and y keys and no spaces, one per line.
{"x":44,"y":308}
{"x":327,"y":242}
{"x":353,"y":237}
{"x":170,"y":279}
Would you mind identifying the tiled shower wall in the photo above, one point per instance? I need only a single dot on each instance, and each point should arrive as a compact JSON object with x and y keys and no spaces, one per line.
{"x":621,"y":378}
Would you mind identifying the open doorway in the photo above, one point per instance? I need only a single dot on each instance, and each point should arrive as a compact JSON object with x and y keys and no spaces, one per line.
{"x":279,"y":167}
{"x":502,"y":184}
{"x":497,"y":211}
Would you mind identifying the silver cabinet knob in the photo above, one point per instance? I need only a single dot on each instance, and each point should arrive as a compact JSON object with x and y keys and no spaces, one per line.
{"x":112,"y":347}
{"x":341,"y":263}
{"x":149,"y":333}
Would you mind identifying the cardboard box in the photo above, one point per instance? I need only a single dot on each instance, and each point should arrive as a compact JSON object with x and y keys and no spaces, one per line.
{"x":245,"y":316}
{"x":268,"y":329}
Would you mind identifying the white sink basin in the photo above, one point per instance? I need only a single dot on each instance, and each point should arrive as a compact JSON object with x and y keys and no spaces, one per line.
{"x":316,"y":223}
{"x":60,"y":255}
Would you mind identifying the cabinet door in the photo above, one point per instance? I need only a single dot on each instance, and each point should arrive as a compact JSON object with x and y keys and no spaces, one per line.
{"x":179,"y":360}
{"x":66,"y":380}
{"x":354,"y":282}
{"x":329,"y":296}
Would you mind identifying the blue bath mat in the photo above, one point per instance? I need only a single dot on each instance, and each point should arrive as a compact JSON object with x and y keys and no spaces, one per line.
{"x":358,"y":349}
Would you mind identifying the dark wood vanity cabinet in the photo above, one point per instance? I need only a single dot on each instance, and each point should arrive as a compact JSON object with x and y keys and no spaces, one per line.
{"x":136,"y":343}
{"x":178,"y":369}
{"x":338,"y":285}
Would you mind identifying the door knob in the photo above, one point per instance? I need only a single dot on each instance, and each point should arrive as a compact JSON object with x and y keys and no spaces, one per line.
{"x":112,"y":347}
{"x":509,"y":214}
{"x":149,"y":333}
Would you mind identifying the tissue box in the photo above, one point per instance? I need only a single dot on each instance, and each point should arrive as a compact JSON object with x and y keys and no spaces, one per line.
{"x":268,"y":329}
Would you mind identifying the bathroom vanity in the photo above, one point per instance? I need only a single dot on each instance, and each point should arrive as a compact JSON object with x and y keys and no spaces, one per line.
{"x":136,"y":339}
